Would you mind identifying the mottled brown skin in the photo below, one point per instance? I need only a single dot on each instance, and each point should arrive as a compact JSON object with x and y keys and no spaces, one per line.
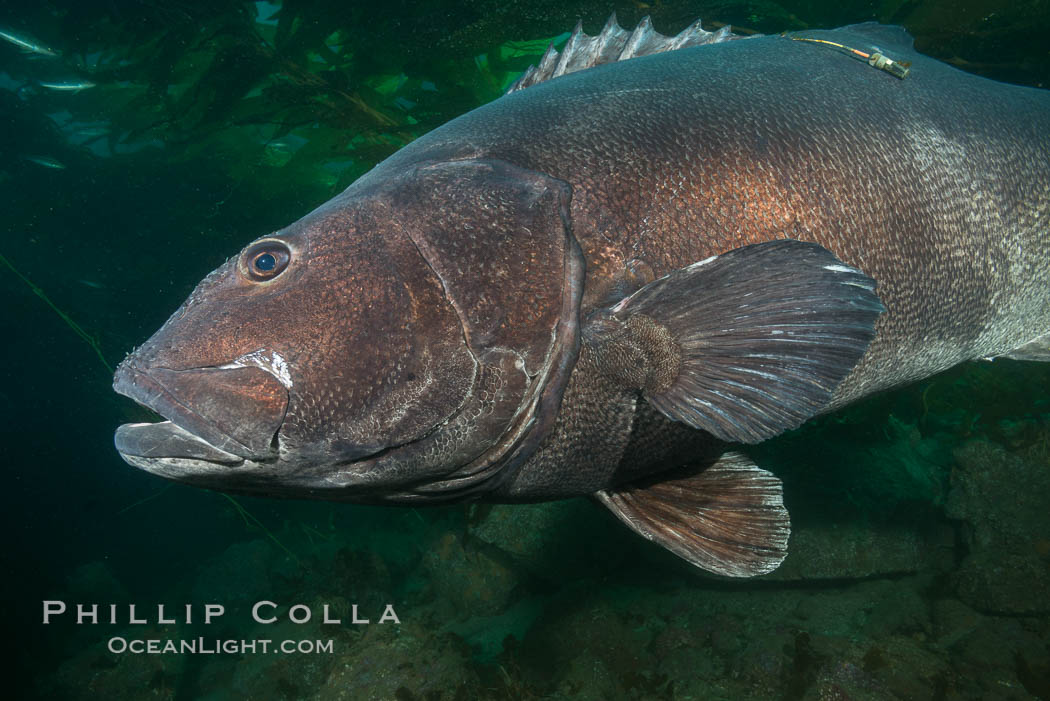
{"x":409,"y":363}
{"x":937,"y":186}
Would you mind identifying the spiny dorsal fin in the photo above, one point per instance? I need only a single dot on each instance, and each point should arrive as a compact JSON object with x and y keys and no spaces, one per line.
{"x":614,"y":43}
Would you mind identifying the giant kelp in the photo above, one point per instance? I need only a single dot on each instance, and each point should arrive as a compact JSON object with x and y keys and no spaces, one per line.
{"x":319,"y":90}
{"x":297,"y":87}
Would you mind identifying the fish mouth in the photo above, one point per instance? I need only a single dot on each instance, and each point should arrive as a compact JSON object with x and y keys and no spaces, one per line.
{"x":221,"y":431}
{"x":215,"y":416}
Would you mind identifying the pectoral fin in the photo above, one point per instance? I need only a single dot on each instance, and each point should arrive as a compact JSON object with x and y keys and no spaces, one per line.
{"x":744,"y":345}
{"x":729,"y":519}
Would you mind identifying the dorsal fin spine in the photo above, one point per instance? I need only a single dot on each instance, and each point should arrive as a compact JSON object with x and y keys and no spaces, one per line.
{"x":612,"y":44}
{"x":572,"y":47}
{"x":635,"y":43}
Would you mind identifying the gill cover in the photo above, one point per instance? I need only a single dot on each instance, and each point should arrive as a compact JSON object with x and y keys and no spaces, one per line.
{"x":499,"y":239}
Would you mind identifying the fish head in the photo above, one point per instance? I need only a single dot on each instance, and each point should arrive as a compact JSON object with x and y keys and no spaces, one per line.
{"x":407,"y":341}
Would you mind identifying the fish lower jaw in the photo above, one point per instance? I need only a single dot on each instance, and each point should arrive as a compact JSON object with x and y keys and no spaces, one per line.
{"x":244,"y":476}
{"x":178,"y":469}
{"x":168,"y":440}
{"x":264,"y":479}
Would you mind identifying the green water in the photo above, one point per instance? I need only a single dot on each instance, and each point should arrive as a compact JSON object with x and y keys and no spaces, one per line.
{"x":920,"y":559}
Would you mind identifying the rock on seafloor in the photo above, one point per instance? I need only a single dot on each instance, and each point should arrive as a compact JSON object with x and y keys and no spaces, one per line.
{"x":1003,"y":502}
{"x":858,"y":550}
{"x":573,"y":538}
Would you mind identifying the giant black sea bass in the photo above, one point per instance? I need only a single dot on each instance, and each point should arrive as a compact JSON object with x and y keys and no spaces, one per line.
{"x":649,"y":254}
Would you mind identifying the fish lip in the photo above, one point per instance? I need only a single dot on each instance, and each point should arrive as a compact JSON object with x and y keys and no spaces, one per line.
{"x":140,"y":386}
{"x":143,"y":441}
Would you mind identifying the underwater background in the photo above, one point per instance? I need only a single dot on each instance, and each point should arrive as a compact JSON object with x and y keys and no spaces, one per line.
{"x":142,"y":143}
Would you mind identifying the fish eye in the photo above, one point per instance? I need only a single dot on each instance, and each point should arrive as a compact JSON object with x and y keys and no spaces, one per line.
{"x":266,"y":260}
